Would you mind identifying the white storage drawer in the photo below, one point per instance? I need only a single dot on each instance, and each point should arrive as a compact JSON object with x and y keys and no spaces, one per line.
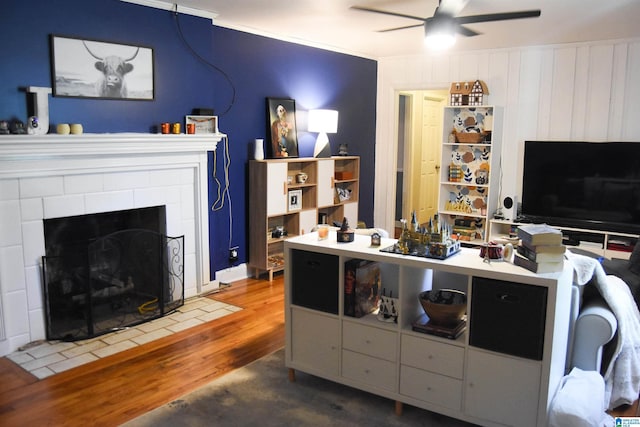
{"x":369,"y":340}
{"x":430,"y":387}
{"x":430,"y":355}
{"x":315,"y":341}
{"x":370,"y":370}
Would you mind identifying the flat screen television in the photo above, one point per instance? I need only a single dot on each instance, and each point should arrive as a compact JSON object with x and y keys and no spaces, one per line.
{"x":590,"y":185}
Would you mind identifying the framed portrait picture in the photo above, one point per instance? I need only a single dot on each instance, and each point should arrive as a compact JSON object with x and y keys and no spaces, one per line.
{"x":85,"y":68}
{"x":282,"y":131}
{"x":295,"y":200}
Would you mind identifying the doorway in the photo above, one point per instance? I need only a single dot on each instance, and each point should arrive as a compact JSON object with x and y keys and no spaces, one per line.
{"x":420,"y":115}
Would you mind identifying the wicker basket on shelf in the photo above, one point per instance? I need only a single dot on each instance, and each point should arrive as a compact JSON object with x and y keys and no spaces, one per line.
{"x":470,"y":137}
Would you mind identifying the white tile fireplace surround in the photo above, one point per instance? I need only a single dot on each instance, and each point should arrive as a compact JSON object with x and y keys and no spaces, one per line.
{"x":52,"y":176}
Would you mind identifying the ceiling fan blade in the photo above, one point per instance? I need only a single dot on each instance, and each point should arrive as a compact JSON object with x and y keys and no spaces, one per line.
{"x":466,"y":31}
{"x":401,"y":15}
{"x":400,"y":28}
{"x":497,"y":16}
{"x":451,"y":7}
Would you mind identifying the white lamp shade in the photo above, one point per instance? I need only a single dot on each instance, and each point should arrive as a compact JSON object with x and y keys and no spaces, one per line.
{"x":323,"y":121}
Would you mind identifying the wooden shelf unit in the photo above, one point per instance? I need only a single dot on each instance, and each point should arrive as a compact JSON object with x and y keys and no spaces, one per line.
{"x":270,"y":182}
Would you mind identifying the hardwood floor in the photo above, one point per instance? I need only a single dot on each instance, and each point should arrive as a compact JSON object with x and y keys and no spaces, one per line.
{"x":116,"y":389}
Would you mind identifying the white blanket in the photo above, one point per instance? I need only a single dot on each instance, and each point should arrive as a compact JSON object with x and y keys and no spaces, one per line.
{"x":580,"y":401}
{"x":622,"y":376}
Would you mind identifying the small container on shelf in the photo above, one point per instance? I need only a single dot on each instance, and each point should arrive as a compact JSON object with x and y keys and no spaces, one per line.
{"x":470,"y":137}
{"x":323,"y":232}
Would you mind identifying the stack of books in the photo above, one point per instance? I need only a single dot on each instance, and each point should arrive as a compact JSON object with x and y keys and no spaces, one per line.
{"x":425,"y":326}
{"x":540,"y":249}
{"x":464,"y":229}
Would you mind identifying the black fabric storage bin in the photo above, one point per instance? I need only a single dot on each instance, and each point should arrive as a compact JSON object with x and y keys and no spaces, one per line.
{"x":314,"y":280}
{"x":508,"y":317}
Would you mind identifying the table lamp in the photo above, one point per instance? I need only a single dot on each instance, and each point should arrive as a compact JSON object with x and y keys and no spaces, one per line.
{"x":323,"y":122}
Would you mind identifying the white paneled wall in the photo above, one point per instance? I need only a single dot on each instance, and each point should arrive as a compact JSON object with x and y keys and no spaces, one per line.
{"x":575,"y":92}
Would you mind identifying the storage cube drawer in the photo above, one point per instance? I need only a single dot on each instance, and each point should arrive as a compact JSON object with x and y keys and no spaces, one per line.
{"x":315,"y":341}
{"x":371,"y":341}
{"x":508,"y":317}
{"x":370,"y":370}
{"x":430,"y":387}
{"x":432,"y":356}
{"x":314,"y":281}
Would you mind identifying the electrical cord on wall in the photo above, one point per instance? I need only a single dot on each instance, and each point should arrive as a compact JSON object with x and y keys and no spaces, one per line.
{"x":222,"y":192}
{"x":176,"y":16}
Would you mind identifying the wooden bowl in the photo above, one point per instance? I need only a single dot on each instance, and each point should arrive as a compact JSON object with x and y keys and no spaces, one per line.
{"x":445,"y":306}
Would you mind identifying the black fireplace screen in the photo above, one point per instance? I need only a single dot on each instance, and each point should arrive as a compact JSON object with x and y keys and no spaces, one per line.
{"x":109,"y":283}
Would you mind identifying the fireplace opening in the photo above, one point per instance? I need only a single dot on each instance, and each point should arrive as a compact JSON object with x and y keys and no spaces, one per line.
{"x":108,"y":271}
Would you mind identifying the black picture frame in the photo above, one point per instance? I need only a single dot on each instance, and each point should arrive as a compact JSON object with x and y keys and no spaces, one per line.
{"x":89,"y":68}
{"x":281,"y":128}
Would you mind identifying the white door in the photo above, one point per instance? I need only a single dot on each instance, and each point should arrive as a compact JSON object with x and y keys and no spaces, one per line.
{"x":424,"y":157}
{"x":315,"y":342}
{"x":502,"y":389}
{"x":308,"y":220}
{"x":325,"y":182}
{"x":426,"y":190}
{"x":351,"y":213}
{"x":276,"y":188}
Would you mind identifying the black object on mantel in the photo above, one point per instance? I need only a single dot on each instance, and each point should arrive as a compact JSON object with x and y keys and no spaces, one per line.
{"x":202,"y":111}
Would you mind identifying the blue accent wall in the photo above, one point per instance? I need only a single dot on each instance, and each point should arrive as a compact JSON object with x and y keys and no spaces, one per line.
{"x":196,"y":65}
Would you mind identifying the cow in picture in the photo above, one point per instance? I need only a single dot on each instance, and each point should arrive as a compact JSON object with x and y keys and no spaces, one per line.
{"x":114,"y":69}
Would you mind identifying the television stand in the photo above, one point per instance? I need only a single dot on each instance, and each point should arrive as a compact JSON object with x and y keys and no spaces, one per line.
{"x":607,"y":244}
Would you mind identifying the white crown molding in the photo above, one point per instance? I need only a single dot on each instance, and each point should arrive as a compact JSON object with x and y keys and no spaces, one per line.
{"x":290,"y":39}
{"x":158,"y":4}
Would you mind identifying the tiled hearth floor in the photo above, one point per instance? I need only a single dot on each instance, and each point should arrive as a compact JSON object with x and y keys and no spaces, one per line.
{"x":51,"y":357}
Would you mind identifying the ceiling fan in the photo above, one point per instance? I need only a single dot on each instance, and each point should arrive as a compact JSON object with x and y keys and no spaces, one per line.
{"x":445,"y":22}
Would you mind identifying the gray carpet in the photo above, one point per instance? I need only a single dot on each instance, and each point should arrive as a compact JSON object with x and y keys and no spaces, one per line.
{"x":260,"y":394}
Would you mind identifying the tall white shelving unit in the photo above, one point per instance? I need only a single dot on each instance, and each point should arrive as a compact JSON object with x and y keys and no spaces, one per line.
{"x":470,"y":169}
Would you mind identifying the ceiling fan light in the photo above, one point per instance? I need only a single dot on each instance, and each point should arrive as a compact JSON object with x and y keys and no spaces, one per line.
{"x":440,"y":40}
{"x":440,"y":35}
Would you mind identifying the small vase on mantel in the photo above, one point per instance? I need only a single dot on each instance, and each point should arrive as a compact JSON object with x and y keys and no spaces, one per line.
{"x":258,"y":153}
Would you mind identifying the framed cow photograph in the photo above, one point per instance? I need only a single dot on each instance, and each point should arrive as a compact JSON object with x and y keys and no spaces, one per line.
{"x":88,"y":68}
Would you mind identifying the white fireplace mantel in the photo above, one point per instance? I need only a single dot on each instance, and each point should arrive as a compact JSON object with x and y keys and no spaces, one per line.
{"x":23,"y":147}
{"x":50,"y":176}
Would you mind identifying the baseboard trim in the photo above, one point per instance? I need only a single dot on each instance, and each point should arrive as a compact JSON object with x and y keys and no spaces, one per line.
{"x":232,"y":274}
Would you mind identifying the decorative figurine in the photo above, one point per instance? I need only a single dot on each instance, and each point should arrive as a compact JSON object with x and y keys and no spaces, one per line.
{"x":431,"y":241}
{"x":4,"y":127}
{"x":17,"y":127}
{"x":345,"y":234}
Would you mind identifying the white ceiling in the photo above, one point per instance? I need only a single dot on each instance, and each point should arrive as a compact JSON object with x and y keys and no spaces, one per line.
{"x":333,"y":25}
